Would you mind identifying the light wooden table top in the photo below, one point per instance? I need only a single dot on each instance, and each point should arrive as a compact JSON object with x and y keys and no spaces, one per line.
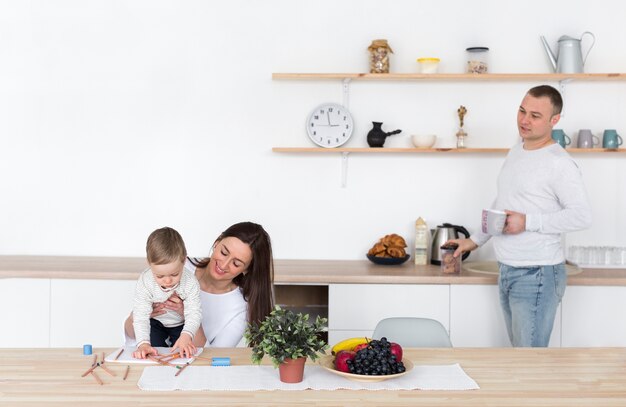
{"x":313,"y":272}
{"x":507,"y":377}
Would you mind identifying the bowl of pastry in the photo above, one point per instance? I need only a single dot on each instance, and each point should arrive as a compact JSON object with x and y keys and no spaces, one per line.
{"x":389,"y":251}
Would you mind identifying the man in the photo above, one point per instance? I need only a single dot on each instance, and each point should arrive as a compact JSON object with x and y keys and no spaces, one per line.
{"x":541,"y":189}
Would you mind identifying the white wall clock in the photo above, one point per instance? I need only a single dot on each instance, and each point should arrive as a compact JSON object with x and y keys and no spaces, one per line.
{"x":329,"y":125}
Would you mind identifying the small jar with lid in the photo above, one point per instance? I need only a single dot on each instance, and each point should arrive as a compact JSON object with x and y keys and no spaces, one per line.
{"x":477,"y":59}
{"x":449,"y":263}
{"x":379,"y":56}
{"x":428,"y":65}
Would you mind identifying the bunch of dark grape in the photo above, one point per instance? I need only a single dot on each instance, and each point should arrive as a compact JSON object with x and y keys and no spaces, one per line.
{"x":376,"y":360}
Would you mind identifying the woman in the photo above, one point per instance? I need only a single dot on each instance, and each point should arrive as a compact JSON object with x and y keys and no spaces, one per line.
{"x":236,"y":286}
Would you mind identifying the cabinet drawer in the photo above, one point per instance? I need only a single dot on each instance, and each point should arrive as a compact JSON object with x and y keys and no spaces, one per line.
{"x":360,"y":306}
{"x":89,"y":311}
{"x":25,"y":317}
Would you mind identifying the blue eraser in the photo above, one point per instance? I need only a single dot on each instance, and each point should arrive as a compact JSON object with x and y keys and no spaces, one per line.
{"x":87,"y":349}
{"x":220,"y":362}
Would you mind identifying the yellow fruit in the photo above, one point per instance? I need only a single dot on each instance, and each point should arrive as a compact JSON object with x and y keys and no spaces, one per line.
{"x":348,"y":344}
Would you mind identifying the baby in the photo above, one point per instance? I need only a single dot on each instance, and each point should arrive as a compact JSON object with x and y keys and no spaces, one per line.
{"x":166,"y":275}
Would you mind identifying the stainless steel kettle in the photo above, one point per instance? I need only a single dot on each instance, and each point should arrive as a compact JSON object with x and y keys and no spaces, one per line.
{"x":569,"y":58}
{"x":442,"y":234}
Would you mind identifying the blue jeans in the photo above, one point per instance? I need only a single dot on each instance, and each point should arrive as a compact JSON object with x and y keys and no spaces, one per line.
{"x":529,"y":297}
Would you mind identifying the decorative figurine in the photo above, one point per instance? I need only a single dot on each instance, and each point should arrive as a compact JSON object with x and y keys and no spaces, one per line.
{"x":460,"y":135}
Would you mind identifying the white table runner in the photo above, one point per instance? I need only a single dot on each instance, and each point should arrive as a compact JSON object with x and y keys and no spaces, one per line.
{"x":250,"y":378}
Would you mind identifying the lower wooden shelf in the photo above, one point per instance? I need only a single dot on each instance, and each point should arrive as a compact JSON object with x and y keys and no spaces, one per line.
{"x":425,"y":150}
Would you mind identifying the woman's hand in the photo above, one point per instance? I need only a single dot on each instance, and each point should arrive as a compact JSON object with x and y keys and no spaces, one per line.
{"x":175,"y":304}
{"x":185,"y":346}
{"x":158,"y":308}
{"x":144,"y":350}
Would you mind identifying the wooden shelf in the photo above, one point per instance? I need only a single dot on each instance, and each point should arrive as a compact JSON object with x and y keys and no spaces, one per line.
{"x":425,"y":150}
{"x":454,"y":76}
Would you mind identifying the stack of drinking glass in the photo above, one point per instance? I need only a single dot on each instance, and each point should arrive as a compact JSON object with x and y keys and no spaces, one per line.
{"x":597,"y":256}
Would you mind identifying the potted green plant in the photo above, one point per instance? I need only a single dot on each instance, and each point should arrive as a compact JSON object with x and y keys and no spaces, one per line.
{"x":288,"y":339}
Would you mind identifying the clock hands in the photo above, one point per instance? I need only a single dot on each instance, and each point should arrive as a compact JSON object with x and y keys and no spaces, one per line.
{"x":328,"y":116}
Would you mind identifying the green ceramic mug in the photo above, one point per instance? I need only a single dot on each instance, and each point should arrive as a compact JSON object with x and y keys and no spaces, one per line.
{"x":560,"y":137}
{"x":611,"y":139}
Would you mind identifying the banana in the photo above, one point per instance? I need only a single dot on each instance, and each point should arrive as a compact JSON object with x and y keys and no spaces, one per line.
{"x":348,"y":344}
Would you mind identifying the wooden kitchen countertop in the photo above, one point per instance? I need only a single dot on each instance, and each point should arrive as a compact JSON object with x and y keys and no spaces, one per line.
{"x":311,"y":272}
{"x":507,"y":377}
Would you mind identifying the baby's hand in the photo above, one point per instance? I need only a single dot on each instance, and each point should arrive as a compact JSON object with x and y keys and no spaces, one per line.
{"x":185,"y":346}
{"x":144,"y":350}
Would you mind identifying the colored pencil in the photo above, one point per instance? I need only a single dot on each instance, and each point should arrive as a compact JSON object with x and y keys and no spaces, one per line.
{"x":106,"y":369}
{"x":159,"y":361}
{"x":95,"y":376}
{"x":89,"y":370}
{"x":118,"y":354}
{"x":180,"y":369}
{"x":126,"y":373}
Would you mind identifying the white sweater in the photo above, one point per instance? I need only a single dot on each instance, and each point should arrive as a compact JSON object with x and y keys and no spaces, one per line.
{"x":224,"y":316}
{"x":547,"y":186}
{"x":148,"y":292}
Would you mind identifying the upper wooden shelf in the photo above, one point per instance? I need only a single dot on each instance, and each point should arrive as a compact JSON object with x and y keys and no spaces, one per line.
{"x":425,"y":150}
{"x":455,"y":76}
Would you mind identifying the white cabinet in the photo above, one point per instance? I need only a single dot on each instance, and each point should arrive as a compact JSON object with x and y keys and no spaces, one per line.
{"x":476,"y":318}
{"x":25,"y":316}
{"x":355,"y":309}
{"x":89,"y":311}
{"x":594,"y":316}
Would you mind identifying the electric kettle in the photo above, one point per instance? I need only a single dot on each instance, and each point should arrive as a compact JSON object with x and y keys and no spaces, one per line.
{"x":441,"y":235}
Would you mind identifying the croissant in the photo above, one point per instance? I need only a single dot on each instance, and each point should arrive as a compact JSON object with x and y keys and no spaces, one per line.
{"x":377,"y":249}
{"x":396,"y":252}
{"x":389,"y":246}
{"x":394,"y":240}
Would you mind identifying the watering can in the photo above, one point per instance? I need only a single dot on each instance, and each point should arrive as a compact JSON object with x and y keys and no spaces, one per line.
{"x":569,"y":58}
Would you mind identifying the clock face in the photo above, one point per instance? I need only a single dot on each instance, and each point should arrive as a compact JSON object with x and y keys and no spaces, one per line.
{"x":329,"y":125}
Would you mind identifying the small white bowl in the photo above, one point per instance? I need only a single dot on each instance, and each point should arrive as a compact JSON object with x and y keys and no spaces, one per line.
{"x":423,"y":140}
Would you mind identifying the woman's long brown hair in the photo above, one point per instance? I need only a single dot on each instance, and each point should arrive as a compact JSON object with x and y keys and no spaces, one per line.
{"x":256,"y":284}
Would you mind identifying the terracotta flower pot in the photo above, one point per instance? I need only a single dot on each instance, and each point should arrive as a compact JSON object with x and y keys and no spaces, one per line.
{"x":292,"y":370}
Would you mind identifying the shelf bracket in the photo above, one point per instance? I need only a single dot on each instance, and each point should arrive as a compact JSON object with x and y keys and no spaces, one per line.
{"x":345,"y":93}
{"x":344,"y":169}
{"x":562,"y":84}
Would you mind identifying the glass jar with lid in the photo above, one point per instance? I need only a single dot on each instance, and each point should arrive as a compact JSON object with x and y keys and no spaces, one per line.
{"x":379,"y":56}
{"x":477,"y":60}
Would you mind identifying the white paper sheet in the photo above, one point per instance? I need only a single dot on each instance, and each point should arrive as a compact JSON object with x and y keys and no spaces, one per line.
{"x":251,"y":378}
{"x":127,"y":356}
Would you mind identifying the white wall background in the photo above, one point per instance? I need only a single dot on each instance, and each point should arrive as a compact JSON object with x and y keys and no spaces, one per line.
{"x":118,"y":117}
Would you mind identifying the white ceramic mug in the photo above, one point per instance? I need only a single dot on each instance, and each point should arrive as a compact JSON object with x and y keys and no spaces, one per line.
{"x":493,"y":221}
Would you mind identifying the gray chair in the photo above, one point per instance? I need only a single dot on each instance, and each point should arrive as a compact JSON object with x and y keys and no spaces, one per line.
{"x":413,"y":332}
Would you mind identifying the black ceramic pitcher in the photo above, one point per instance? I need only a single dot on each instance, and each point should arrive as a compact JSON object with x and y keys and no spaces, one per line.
{"x":376,"y":137}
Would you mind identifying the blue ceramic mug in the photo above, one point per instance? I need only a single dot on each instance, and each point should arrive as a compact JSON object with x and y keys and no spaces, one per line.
{"x":560,"y":137}
{"x":611,"y":139}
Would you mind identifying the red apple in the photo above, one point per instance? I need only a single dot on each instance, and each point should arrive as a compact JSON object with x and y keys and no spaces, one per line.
{"x":396,"y":350}
{"x":341,"y":359}
{"x":361,"y":346}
